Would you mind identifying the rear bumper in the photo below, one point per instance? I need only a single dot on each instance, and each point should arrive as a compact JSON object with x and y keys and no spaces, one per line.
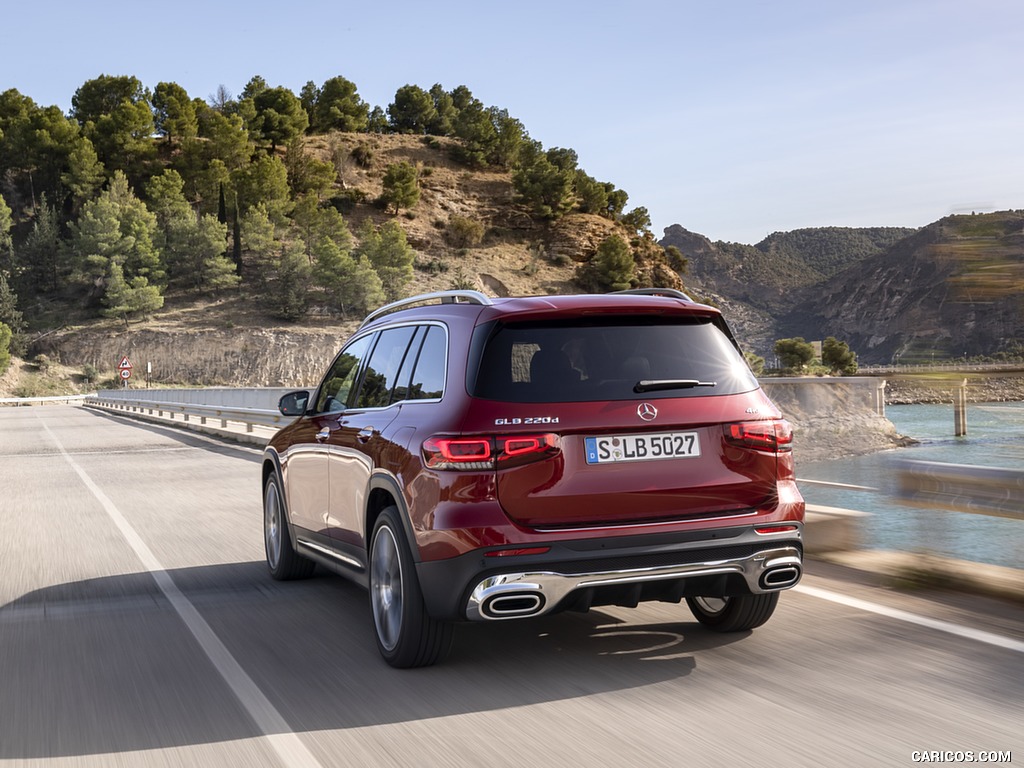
{"x":615,"y":571}
{"x":518,"y":595}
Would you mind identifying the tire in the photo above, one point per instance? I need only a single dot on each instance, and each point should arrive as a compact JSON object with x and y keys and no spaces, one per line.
{"x":407,"y":636}
{"x":283,"y":562}
{"x":733,"y":614}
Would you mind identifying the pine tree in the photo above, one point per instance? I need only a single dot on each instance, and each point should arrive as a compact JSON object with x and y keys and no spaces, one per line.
{"x":401,"y":186}
{"x":614,"y":264}
{"x":389,"y":253}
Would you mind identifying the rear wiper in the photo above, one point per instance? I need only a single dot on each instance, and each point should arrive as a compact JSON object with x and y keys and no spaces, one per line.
{"x":661,"y":384}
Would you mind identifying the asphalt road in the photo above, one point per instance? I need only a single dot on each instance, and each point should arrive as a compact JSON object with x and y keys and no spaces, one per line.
{"x":138,"y":626}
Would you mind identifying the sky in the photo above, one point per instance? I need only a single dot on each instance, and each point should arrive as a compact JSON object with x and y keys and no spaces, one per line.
{"x":733,"y":119}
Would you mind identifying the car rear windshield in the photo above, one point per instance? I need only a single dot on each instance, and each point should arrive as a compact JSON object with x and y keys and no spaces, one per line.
{"x":593,"y":360}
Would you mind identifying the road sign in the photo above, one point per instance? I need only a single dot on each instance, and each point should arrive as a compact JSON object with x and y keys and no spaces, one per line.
{"x":125,"y":364}
{"x":126,"y":373}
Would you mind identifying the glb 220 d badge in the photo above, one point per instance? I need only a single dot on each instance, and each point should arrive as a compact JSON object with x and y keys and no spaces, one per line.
{"x":528,"y":420}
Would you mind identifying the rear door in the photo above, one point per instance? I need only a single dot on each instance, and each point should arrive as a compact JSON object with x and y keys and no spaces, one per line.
{"x":356,"y":443}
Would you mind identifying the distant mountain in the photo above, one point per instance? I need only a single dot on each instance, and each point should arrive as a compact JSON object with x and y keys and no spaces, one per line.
{"x":765,"y":274}
{"x":951,"y":289}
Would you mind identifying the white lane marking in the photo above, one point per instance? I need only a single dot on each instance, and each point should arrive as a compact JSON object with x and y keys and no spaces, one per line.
{"x":979,"y":635}
{"x":273,"y":726}
{"x":836,"y":485}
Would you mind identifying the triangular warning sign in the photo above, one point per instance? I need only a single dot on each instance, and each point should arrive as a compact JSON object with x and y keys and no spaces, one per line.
{"x":125,"y":362}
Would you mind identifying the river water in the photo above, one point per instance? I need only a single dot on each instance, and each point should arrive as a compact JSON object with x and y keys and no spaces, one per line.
{"x":995,"y":438}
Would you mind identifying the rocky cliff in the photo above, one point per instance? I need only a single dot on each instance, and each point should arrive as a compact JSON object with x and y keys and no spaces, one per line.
{"x":950,"y":290}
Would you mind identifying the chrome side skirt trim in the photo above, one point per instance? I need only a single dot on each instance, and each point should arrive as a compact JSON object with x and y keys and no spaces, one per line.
{"x":351,"y":562}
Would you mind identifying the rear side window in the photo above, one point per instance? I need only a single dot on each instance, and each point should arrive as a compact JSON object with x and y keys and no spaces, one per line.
{"x":605,"y":359}
{"x":428,"y":380}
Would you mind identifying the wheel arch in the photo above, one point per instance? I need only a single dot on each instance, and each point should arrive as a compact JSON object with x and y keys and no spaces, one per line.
{"x":272,"y":466}
{"x":271,"y":463}
{"x":385,"y":491}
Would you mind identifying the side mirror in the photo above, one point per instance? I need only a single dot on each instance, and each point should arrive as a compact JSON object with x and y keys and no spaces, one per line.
{"x":294,"y":403}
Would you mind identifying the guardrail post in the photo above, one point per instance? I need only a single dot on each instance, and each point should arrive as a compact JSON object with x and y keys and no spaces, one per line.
{"x":960,"y":411}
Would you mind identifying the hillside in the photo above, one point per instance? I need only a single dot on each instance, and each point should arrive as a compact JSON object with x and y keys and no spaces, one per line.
{"x":231,"y":338}
{"x":764,"y":274}
{"x":754,"y":284}
{"x":955,"y":289}
{"x":950,"y":290}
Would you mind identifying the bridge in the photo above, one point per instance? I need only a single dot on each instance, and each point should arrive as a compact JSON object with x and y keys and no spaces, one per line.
{"x":138,"y":627}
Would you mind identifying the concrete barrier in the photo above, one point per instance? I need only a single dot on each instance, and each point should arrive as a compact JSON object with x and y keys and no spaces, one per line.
{"x":831,"y":529}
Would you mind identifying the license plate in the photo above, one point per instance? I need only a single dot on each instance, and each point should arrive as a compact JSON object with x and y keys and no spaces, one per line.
{"x":664,"y":445}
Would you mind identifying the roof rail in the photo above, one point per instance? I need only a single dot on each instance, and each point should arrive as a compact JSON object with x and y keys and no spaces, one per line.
{"x":671,"y":293}
{"x":442,"y":297}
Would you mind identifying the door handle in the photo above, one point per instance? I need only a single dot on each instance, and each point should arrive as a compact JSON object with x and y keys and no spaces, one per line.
{"x":365,"y":434}
{"x":322,"y":435}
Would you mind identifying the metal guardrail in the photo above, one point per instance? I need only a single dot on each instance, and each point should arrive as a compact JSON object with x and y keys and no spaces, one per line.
{"x":901,"y":368}
{"x":991,"y":491}
{"x":963,"y":488}
{"x":165,"y":409}
{"x":34,"y":400}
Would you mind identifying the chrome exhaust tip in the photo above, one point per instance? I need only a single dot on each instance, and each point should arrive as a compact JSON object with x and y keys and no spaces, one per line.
{"x":780,"y":578}
{"x":513,"y":606}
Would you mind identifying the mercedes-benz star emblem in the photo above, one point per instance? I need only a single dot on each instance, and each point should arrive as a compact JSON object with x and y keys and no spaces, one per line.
{"x":646,"y":411}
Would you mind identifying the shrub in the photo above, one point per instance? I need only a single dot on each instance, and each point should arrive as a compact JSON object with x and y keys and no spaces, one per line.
{"x":462,"y":281}
{"x":348,"y":199}
{"x":464,"y":232}
{"x":363,"y":155}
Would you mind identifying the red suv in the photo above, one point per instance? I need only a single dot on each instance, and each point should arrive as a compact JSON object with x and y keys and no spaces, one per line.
{"x":476,"y":459}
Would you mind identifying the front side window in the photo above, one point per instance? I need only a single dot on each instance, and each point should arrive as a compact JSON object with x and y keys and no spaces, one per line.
{"x":337,"y":385}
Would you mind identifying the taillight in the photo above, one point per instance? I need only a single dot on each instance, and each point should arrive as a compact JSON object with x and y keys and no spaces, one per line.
{"x":515,"y":450}
{"x":770,"y":436}
{"x":490,"y":452}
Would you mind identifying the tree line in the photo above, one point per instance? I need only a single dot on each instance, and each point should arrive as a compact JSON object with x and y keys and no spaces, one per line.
{"x":136,"y":192}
